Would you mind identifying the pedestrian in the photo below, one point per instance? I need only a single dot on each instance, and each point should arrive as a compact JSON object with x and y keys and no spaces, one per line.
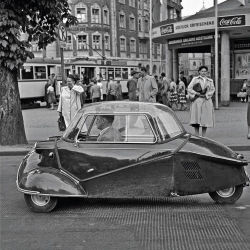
{"x":96,"y":92}
{"x":112,"y":85}
{"x":190,"y":78}
{"x":53,"y":80}
{"x":165,"y":91}
{"x":51,"y":95}
{"x":70,"y":101}
{"x":182,"y":95}
{"x":248,"y":108}
{"x":132,"y":85}
{"x":46,"y":93}
{"x":99,"y":83}
{"x":243,"y":90}
{"x":183,"y":79}
{"x":159,"y":82}
{"x":107,"y":93}
{"x":92,"y":83}
{"x":147,"y":87}
{"x":173,"y":93}
{"x":119,"y":95}
{"x":200,"y":92}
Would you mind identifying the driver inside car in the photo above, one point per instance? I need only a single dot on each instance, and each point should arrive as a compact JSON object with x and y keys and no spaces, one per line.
{"x":108,"y":132}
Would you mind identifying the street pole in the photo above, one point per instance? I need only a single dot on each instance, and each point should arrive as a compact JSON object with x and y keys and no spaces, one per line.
{"x":216,"y":56}
{"x":62,"y":66}
{"x":150,"y":39}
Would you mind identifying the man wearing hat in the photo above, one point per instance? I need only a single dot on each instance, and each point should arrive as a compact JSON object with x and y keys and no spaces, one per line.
{"x":132,"y":85}
{"x":147,"y":87}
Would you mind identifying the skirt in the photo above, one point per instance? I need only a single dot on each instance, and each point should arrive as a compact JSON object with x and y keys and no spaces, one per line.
{"x":182,"y":98}
{"x":51,"y":97}
{"x":173,"y":97}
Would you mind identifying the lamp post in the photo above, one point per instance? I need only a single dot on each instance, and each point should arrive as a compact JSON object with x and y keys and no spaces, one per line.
{"x":150,"y":38}
{"x":216,"y":55}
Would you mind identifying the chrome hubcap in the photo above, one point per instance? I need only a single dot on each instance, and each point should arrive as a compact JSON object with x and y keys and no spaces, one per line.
{"x":228,"y":192}
{"x":40,"y":200}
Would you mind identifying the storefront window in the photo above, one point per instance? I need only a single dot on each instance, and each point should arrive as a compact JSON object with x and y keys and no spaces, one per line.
{"x":40,"y":72}
{"x":27,"y":72}
{"x":242,"y":66}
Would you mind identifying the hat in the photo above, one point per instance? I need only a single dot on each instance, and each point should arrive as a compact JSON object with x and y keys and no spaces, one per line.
{"x":134,"y":72}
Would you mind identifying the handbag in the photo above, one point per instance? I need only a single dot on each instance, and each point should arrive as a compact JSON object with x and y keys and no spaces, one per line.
{"x":61,"y":123}
{"x":242,"y":94}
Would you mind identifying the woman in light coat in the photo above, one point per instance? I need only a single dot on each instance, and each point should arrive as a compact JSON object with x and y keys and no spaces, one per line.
{"x":248,"y":108}
{"x":70,"y":101}
{"x":200,"y":92}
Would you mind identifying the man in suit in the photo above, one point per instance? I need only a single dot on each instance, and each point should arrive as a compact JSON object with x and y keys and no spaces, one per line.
{"x":108,"y":133}
{"x":147,"y":87}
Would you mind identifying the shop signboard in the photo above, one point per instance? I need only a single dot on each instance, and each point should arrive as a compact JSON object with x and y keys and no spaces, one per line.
{"x":231,"y":21}
{"x":242,"y":44}
{"x":206,"y":39}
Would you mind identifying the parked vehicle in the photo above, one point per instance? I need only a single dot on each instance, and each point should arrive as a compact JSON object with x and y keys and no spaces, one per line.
{"x":154,"y":156}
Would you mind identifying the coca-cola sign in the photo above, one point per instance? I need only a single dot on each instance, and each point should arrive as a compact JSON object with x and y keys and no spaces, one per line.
{"x":167,"y":29}
{"x":229,"y":21}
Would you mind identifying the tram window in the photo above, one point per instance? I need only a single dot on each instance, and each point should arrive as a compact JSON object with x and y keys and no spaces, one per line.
{"x":118,"y":73}
{"x":27,"y":72}
{"x":103,"y":73}
{"x":40,"y":72}
{"x":124,"y":73}
{"x":111,"y":72}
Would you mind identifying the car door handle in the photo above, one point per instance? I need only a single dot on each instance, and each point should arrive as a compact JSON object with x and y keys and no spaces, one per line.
{"x":90,"y":170}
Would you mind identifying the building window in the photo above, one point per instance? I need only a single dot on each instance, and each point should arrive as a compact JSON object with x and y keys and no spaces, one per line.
{"x":96,"y":42}
{"x":142,"y":47}
{"x":95,"y":16}
{"x":122,"y":20}
{"x":158,"y":49}
{"x":69,"y":43}
{"x":81,"y":14}
{"x":106,"y":42}
{"x":122,"y":44}
{"x":132,"y":3}
{"x":146,"y":26}
{"x":139,"y":25}
{"x":132,"y":45}
{"x":132,"y":23}
{"x":82,"y":42}
{"x":105,"y":16}
{"x":122,"y":1}
{"x":139,"y":4}
{"x":171,"y":13}
{"x":145,"y":4}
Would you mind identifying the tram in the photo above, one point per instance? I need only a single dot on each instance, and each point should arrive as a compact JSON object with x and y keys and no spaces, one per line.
{"x":32,"y":77}
{"x":34,"y":74}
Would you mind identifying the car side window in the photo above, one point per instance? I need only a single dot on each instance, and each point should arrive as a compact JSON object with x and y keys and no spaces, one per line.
{"x":127,"y":128}
{"x":139,"y":129}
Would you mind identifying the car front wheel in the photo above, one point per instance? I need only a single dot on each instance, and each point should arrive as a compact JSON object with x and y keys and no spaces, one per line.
{"x":40,"y":203}
{"x":229,"y":195}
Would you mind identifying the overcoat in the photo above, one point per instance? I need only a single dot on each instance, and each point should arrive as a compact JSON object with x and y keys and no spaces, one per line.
{"x":202,"y":109}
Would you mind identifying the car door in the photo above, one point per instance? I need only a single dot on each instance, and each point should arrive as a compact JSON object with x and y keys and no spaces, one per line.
{"x":134,"y":166}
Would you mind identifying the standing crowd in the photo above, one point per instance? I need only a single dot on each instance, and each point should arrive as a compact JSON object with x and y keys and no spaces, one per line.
{"x":142,"y":87}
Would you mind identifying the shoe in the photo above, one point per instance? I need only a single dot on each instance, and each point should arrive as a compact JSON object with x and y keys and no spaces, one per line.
{"x":248,"y":137}
{"x":52,"y":108}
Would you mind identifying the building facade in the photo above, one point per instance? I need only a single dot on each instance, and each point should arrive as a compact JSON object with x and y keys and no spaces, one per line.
{"x":114,"y":30}
{"x":196,"y":34}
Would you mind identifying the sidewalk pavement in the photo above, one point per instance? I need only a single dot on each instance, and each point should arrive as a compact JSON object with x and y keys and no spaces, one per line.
{"x":230,"y":128}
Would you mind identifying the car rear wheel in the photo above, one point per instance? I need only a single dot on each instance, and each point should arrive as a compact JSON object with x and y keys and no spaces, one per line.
{"x":229,"y":195}
{"x":40,"y":203}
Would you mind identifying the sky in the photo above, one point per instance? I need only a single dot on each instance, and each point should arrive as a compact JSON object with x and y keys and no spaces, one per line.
{"x":190,"y":7}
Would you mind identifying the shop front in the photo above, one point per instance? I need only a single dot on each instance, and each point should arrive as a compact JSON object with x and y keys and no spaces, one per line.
{"x":196,"y":34}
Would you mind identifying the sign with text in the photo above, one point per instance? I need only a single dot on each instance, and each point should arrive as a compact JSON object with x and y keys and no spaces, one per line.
{"x":242,"y":44}
{"x":190,"y":41}
{"x":167,"y":29}
{"x":231,"y":21}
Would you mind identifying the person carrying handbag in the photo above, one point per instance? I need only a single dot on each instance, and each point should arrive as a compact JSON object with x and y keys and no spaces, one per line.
{"x":51,"y":95}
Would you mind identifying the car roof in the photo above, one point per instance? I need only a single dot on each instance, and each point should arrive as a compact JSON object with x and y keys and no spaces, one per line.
{"x":125,"y":107}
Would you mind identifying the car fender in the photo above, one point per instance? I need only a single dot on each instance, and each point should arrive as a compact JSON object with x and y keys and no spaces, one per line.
{"x":52,"y":182}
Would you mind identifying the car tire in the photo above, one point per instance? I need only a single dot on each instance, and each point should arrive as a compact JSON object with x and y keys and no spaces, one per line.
{"x":40,"y":203}
{"x":227,"y":196}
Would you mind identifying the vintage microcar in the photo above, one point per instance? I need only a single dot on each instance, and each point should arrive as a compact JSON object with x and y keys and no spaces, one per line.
{"x":154,"y":156}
